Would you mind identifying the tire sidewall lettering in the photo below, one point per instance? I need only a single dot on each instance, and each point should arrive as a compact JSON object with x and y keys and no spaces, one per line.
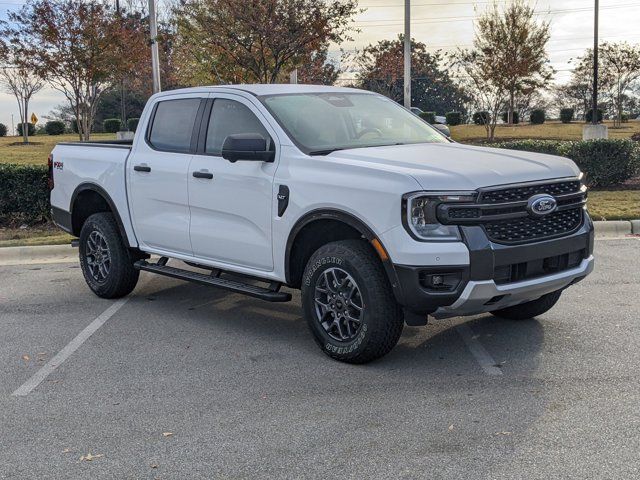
{"x":319,"y":264}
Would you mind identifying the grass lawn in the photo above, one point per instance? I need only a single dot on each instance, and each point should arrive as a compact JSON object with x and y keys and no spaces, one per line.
{"x":40,"y":235}
{"x":614,"y":205}
{"x":552,"y":130}
{"x":39,"y":148}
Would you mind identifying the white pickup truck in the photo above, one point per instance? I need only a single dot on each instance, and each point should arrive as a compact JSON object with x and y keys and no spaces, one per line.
{"x":379,"y":219}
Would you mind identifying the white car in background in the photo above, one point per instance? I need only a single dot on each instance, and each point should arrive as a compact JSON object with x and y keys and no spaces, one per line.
{"x":441,"y":122}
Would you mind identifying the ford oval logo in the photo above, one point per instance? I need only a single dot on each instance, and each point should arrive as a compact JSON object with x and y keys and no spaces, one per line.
{"x":540,"y":205}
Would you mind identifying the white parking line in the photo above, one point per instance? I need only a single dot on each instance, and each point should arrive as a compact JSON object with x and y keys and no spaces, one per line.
{"x":68,"y":350}
{"x":481,"y":355}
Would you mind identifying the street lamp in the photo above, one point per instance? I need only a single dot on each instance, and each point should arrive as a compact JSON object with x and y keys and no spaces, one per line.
{"x":155,"y":56}
{"x":595,"y":130}
{"x":407,"y":53}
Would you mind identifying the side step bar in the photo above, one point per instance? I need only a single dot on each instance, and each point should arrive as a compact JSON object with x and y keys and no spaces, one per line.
{"x":271,"y":294}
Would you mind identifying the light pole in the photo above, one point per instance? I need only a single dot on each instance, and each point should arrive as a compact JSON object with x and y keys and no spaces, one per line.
{"x":407,"y":53}
{"x":594,"y":117}
{"x":155,"y":56}
{"x":594,"y":129}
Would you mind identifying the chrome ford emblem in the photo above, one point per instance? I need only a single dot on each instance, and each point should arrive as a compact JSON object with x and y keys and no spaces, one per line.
{"x":541,"y":205}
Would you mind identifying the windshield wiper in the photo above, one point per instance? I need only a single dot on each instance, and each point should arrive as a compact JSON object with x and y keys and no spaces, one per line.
{"x":325,"y":152}
{"x":352,"y":147}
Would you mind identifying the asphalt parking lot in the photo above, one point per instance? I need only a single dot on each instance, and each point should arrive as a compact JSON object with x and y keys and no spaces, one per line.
{"x":184,"y":381}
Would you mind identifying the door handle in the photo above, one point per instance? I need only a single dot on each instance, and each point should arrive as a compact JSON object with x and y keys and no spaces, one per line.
{"x":142,"y":168}
{"x":206,"y":175}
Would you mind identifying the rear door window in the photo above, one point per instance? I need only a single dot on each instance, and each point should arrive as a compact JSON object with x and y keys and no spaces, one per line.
{"x":229,"y":117}
{"x":173,"y":124}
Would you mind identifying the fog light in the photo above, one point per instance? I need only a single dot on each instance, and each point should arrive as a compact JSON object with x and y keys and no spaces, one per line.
{"x":440,"y":281}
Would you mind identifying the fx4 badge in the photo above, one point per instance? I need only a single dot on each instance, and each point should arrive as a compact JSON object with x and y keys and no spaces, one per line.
{"x":541,"y":205}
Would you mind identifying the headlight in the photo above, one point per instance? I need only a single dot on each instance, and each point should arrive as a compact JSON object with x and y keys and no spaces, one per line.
{"x":421,"y":219}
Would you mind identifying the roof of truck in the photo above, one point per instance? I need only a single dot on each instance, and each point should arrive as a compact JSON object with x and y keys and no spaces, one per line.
{"x":267,"y":89}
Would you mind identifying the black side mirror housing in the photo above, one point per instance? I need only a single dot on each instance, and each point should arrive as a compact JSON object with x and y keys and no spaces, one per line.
{"x":247,"y":146}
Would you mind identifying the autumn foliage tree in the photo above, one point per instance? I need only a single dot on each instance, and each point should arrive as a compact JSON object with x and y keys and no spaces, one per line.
{"x":79,"y":47}
{"x":381,"y":69}
{"x":514,"y":44}
{"x":231,"y":41}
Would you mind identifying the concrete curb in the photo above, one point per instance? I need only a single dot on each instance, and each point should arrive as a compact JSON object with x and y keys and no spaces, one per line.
{"x":38,"y":254}
{"x":616,"y":228}
{"x":69,"y":254}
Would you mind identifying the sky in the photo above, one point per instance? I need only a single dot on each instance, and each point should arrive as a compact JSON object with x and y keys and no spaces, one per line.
{"x":441,"y":25}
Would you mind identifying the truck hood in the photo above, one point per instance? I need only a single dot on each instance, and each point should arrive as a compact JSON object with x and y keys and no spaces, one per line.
{"x":454,"y":166}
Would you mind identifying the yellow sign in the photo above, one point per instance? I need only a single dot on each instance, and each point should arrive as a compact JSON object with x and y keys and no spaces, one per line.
{"x":34,"y":119}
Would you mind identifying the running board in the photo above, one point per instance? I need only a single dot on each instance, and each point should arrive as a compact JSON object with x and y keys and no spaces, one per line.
{"x":271,"y":294}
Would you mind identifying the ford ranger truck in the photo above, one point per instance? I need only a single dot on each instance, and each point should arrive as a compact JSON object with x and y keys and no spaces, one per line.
{"x":374,"y":215}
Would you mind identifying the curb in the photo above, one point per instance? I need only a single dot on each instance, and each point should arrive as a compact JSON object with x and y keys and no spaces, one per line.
{"x":69,"y":254}
{"x":38,"y":254}
{"x":616,"y":228}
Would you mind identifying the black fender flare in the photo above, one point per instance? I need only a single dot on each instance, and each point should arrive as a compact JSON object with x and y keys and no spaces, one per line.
{"x":83,"y":187}
{"x":352,"y":221}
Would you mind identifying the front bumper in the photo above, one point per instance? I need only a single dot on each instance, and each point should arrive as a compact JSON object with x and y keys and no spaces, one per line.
{"x":498,"y":275}
{"x":486,"y":296}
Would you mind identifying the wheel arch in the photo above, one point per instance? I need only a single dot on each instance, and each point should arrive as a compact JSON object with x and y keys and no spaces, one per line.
{"x":89,"y":198}
{"x":322,"y":226}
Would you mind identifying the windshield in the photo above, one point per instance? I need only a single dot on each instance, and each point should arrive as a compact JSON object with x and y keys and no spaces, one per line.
{"x":320,"y":123}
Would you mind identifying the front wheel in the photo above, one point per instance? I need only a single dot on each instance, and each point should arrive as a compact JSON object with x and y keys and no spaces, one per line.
{"x":348,"y":302}
{"x":106,"y":262}
{"x":528,"y":310}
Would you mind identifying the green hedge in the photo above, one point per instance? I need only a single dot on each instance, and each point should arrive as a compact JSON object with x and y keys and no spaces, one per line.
{"x":607,"y":163}
{"x":429,"y":117}
{"x":31,"y":129}
{"x":112,"y":125}
{"x":566,"y":115}
{"x":24,"y":194}
{"x":538,"y":116}
{"x":54,"y":127}
{"x":3,"y":130}
{"x":590,"y":116}
{"x":132,"y":124}
{"x":454,"y":118}
{"x":516,"y":117}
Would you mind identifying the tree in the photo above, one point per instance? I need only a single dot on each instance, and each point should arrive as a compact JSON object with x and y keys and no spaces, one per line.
{"x":516,"y":44}
{"x":621,"y":66}
{"x":79,"y":47}
{"x":23,"y":84}
{"x":619,"y":75}
{"x":318,"y":70}
{"x":488,"y":93}
{"x":576,"y":94}
{"x":381,"y":69}
{"x":221,"y":41}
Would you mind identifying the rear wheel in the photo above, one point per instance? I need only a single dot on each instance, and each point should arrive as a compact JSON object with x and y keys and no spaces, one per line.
{"x":348,"y":302}
{"x":106,"y":262}
{"x":532,"y":309}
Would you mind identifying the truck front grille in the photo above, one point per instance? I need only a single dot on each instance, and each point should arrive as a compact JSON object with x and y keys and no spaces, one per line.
{"x":526,"y":229}
{"x":503,"y":213}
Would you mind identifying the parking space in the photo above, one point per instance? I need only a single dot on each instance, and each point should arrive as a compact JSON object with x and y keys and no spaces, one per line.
{"x":184,"y":381}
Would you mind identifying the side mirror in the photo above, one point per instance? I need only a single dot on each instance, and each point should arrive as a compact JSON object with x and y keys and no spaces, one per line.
{"x":246,"y":146}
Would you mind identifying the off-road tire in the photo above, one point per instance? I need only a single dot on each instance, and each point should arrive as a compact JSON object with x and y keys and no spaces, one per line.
{"x":381,"y":317}
{"x":526,"y":311}
{"x":122,"y":277}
